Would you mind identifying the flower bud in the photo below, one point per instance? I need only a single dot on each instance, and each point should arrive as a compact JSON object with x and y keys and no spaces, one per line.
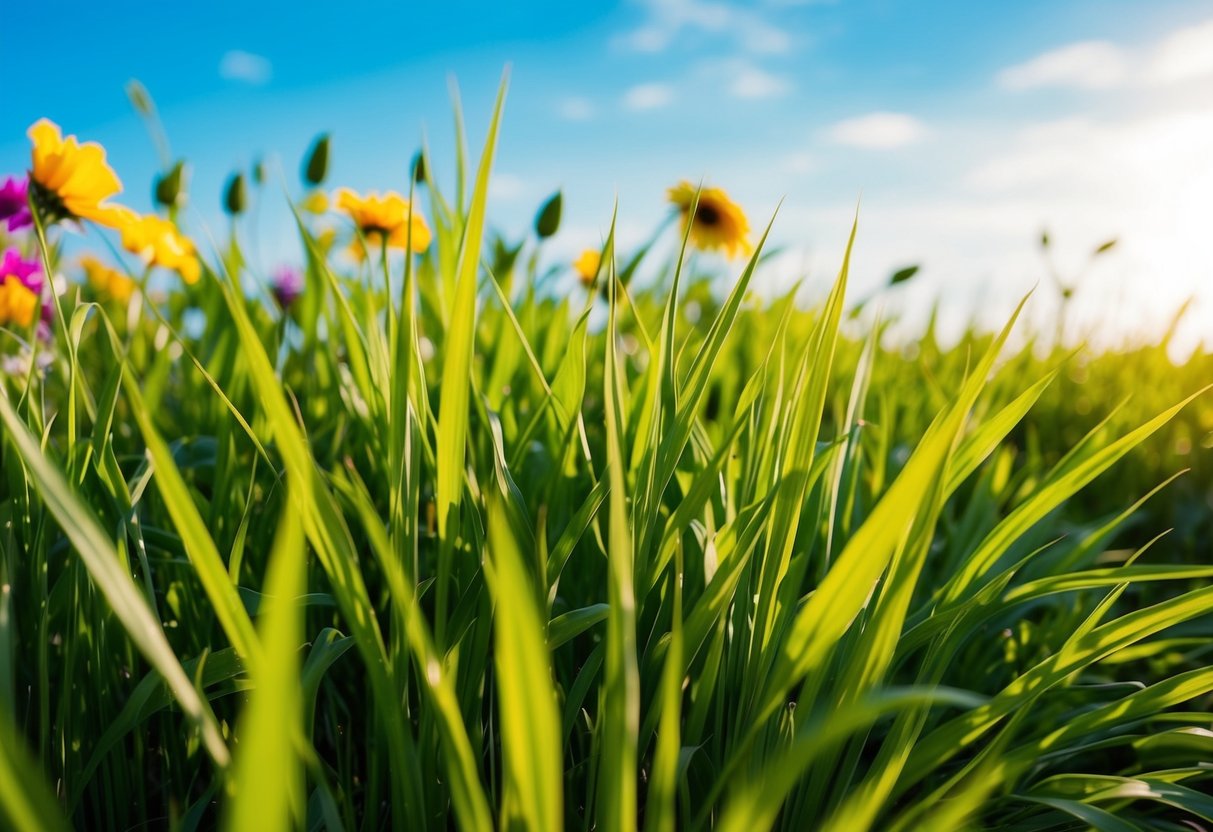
{"x":418,"y":168}
{"x":547,"y":221}
{"x":234,"y":200}
{"x":316,"y":167}
{"x":169,"y":189}
{"x":140,"y":99}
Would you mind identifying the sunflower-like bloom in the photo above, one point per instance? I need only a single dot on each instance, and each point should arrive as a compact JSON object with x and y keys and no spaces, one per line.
{"x":587,"y":265}
{"x":719,"y":223}
{"x":385,"y":218}
{"x":70,"y":180}
{"x":20,"y":286}
{"x":159,"y":243}
{"x":106,"y":280}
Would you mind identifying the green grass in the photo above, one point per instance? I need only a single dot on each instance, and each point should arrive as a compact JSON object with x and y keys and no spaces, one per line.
{"x":441,"y":547}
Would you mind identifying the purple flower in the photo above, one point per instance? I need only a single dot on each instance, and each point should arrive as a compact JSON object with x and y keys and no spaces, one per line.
{"x":27,"y":271}
{"x":287,"y":285}
{"x":14,"y":204}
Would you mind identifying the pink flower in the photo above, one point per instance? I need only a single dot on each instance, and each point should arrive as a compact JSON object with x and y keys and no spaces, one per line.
{"x":14,"y":204}
{"x":27,"y":271}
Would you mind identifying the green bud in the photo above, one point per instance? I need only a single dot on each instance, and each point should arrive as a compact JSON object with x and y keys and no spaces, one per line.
{"x":547,"y":221}
{"x":169,"y":189}
{"x":140,"y":99}
{"x":234,"y":195}
{"x":902,"y":275}
{"x":259,"y":172}
{"x":316,"y":168}
{"x":418,"y":168}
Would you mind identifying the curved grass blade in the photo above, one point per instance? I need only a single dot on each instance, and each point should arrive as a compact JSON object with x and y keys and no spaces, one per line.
{"x":97,"y":552}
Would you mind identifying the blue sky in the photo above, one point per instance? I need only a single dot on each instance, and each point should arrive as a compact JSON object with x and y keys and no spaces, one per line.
{"x":966,"y":127}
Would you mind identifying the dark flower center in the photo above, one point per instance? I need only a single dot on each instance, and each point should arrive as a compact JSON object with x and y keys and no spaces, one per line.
{"x":707,"y":215}
{"x":50,"y":206}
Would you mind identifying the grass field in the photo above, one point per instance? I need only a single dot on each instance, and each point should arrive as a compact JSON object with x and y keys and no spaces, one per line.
{"x":411,"y":541}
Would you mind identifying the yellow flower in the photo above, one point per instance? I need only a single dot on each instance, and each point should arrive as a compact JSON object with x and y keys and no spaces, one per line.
{"x":18,"y":303}
{"x":108,"y":281}
{"x":71,"y":180}
{"x":316,"y":202}
{"x":385,"y":218}
{"x":719,"y":222}
{"x":159,"y":243}
{"x":587,"y":265}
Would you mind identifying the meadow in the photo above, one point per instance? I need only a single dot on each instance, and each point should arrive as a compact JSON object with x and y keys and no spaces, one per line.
{"x":406,"y":538}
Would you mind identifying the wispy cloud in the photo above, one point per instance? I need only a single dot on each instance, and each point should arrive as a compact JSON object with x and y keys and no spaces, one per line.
{"x":650,"y":96}
{"x":1089,"y":65}
{"x":877,"y":131}
{"x":749,"y":81}
{"x":575,"y":108}
{"x":667,"y":20}
{"x":507,"y":187}
{"x":245,"y":67}
{"x":1184,"y":55}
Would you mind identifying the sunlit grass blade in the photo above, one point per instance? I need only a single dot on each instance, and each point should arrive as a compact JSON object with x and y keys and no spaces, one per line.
{"x":619,"y":722}
{"x":330,"y":537}
{"x":529,"y":723}
{"x":756,"y":804}
{"x":96,"y":550}
{"x":267,"y":771}
{"x":27,"y":803}
{"x":209,"y":566}
{"x":460,"y":339}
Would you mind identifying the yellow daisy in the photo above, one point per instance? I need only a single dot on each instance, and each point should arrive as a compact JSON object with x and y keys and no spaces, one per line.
{"x":719,"y":223}
{"x":385,"y":218}
{"x":316,"y":202}
{"x":108,"y":281}
{"x":70,"y":180}
{"x":159,"y":243}
{"x":587,"y":265}
{"x":18,"y":302}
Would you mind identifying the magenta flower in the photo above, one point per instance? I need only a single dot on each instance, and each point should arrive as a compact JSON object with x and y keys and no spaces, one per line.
{"x":14,"y":204}
{"x":27,"y":271}
{"x":287,"y":285}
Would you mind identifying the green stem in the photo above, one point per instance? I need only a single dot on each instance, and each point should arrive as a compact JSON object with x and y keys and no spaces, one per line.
{"x":60,"y":316}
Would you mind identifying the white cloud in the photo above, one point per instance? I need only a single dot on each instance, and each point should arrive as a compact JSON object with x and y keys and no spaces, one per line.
{"x":1144,"y":180}
{"x":1183,"y":56}
{"x":666,"y":20}
{"x":575,"y":108}
{"x":763,"y":39}
{"x":238,"y":65}
{"x":648,"y":96}
{"x":749,"y":81}
{"x":1089,"y":65}
{"x":878,"y":131}
{"x":507,"y":187}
